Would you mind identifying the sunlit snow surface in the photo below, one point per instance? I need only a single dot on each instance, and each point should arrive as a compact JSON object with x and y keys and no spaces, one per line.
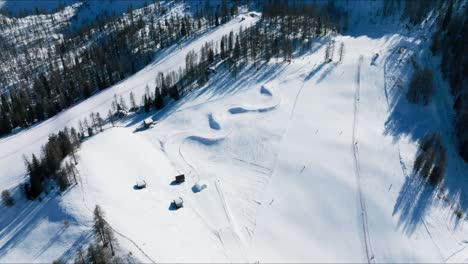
{"x":305,"y":161}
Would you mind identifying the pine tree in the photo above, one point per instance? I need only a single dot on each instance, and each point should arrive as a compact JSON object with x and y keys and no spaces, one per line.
{"x":158,"y":100}
{"x":74,"y":138}
{"x":81,"y":127}
{"x":7,"y":199}
{"x":100,"y":121}
{"x":110,"y":116}
{"x":115,"y":104}
{"x":236,"y":51}
{"x":98,"y":226}
{"x":174,"y":93}
{"x":421,"y":86}
{"x":102,"y":230}
{"x":448,"y":16}
{"x":97,"y":255}
{"x":35,"y":177}
{"x":5,"y":125}
{"x":80,"y":257}
{"x":183,"y":30}
{"x":122,"y":104}
{"x":146,"y":103}
{"x":133,"y":104}
{"x":341,"y":52}
{"x":92,"y":118}
{"x":86,"y":124}
{"x":327,"y":53}
{"x":90,"y":132}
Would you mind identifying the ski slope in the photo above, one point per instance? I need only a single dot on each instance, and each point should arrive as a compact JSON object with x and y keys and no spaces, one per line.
{"x":30,"y":140}
{"x":302,"y":162}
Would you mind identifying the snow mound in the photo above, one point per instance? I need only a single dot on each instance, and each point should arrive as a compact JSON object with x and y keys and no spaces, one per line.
{"x":241,"y":110}
{"x":205,"y":140}
{"x":265,"y":91}
{"x":213,"y":123}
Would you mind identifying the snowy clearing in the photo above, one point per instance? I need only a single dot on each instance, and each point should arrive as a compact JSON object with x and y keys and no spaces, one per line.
{"x":302,"y":163}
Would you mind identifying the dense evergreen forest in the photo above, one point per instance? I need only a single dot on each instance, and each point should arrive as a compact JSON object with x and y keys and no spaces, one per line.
{"x":89,"y":59}
{"x":449,"y":41}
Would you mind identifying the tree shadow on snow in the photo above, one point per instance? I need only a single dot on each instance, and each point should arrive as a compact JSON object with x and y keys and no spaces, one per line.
{"x":413,"y":122}
{"x":79,"y":243}
{"x":315,"y":71}
{"x":222,"y":84}
{"x":175,"y":183}
{"x":173,"y":207}
{"x":414,"y":199}
{"x":19,"y":221}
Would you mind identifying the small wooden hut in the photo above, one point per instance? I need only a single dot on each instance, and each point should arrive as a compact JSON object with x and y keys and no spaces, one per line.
{"x":180,"y":178}
{"x":178,"y":202}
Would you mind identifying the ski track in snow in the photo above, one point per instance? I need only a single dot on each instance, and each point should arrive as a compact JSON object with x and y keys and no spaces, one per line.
{"x":231,"y":230}
{"x":90,"y":224}
{"x":367,"y":241}
{"x":227,"y":235}
{"x":218,"y":121}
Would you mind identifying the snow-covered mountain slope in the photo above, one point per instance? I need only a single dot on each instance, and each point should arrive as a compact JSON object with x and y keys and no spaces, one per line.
{"x":39,"y":235}
{"x":14,"y":147}
{"x":304,"y":161}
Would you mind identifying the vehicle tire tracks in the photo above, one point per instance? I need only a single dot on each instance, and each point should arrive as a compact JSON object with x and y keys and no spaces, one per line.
{"x":355,"y":151}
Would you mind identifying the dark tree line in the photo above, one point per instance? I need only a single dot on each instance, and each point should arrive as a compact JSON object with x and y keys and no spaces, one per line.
{"x":7,"y":199}
{"x":449,"y":41}
{"x":275,"y":35}
{"x":24,"y":12}
{"x":417,"y":10}
{"x":128,"y":43}
{"x":48,"y":166}
{"x":282,"y":29}
{"x":114,"y":49}
{"x":218,"y":13}
{"x":414,"y":10}
{"x":421,"y":87}
{"x":93,"y":125}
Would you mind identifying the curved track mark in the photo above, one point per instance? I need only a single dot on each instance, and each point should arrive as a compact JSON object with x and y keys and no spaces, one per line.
{"x":265,"y":91}
{"x":241,"y":110}
{"x":173,"y":148}
{"x":213,"y":123}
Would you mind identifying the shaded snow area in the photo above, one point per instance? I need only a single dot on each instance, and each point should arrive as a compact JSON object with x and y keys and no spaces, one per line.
{"x":90,"y":11}
{"x":15,"y":7}
{"x":303,"y":162}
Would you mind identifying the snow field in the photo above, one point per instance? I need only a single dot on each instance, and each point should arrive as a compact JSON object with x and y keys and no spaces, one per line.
{"x":299,"y":161}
